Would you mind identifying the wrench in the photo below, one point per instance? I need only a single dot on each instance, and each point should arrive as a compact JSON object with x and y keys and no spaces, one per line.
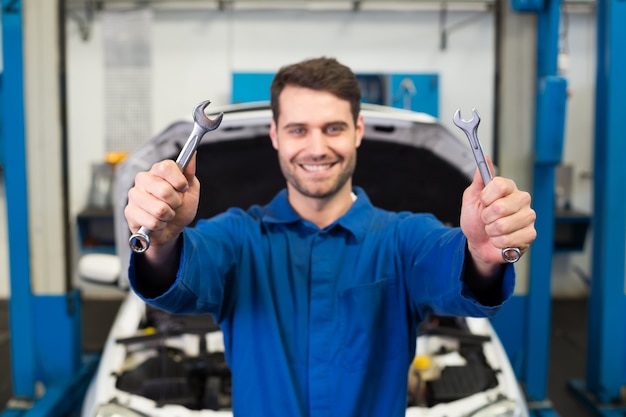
{"x":140,"y":241}
{"x":470,"y":127}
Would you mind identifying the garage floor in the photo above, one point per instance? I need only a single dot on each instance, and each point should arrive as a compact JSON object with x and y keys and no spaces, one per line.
{"x":567,"y":358}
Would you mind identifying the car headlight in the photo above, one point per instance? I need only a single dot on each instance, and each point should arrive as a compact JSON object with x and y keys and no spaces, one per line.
{"x":503,"y":407}
{"x":117,"y":410}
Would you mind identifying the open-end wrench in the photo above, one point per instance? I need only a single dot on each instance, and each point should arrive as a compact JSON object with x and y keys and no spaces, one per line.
{"x":140,"y":241}
{"x":470,"y":127}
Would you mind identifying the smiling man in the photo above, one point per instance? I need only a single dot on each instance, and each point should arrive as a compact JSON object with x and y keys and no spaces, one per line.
{"x":319,"y":293}
{"x":316,"y":137}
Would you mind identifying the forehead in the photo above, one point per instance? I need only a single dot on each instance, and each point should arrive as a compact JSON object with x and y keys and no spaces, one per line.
{"x":303,"y":105}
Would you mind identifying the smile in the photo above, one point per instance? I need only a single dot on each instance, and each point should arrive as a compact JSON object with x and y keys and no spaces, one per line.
{"x":315,"y":168}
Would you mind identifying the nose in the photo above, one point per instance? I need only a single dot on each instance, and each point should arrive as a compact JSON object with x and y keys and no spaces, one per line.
{"x":317,"y":143}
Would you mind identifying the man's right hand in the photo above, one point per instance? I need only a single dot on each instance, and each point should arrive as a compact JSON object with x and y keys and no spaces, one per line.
{"x":164,"y":200}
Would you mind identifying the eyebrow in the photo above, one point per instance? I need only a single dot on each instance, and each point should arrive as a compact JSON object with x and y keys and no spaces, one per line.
{"x":293,"y":124}
{"x":302,"y":124}
{"x":338,"y":122}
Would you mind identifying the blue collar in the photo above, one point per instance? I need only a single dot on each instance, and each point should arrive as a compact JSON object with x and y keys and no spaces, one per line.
{"x":354,"y":220}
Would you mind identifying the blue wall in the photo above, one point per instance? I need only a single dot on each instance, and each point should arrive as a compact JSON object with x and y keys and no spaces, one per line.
{"x":417,"y":92}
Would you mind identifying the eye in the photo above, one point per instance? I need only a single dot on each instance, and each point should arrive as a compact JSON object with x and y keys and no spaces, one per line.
{"x":297,"y":131}
{"x":335,"y":129}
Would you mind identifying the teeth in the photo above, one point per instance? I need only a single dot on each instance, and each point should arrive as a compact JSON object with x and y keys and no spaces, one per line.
{"x":316,"y":167}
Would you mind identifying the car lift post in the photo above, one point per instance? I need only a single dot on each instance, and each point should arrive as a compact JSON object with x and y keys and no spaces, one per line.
{"x":49,"y":375}
{"x":532,"y":347}
{"x":550,"y":105}
{"x":551,"y":91}
{"x":604,"y":387}
{"x":22,"y":339}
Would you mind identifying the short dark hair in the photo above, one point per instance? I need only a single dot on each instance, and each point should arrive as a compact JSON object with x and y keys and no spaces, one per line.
{"x":321,"y":74}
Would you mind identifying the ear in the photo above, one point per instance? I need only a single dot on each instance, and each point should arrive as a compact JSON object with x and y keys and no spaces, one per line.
{"x":273,"y":135}
{"x":360,"y":130}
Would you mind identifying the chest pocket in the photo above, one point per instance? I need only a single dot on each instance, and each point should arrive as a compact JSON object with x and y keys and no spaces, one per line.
{"x":373,"y":324}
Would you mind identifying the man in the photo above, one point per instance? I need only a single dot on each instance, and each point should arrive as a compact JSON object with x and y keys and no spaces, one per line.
{"x":319,"y":294}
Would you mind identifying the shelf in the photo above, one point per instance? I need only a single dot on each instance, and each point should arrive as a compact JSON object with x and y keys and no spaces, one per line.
{"x":96,"y":231}
{"x":570,"y":230}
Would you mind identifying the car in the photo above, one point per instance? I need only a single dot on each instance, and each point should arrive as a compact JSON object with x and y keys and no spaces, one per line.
{"x":159,"y":364}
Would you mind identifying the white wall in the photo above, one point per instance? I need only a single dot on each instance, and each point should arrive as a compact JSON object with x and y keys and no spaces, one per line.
{"x":578,"y":150}
{"x":195,"y":52}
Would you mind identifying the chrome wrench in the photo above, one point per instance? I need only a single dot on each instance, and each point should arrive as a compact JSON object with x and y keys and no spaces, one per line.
{"x":470,"y":127}
{"x":140,"y":241}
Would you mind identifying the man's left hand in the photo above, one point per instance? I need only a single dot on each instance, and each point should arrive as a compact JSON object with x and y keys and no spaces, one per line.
{"x":495,"y":217}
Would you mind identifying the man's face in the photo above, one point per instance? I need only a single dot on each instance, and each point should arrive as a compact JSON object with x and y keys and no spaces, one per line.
{"x":316,"y":140}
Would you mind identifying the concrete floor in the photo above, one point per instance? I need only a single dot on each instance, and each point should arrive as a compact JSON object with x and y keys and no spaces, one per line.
{"x":5,"y":361}
{"x":567,"y":358}
{"x":98,"y":316}
{"x":568,"y":350}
